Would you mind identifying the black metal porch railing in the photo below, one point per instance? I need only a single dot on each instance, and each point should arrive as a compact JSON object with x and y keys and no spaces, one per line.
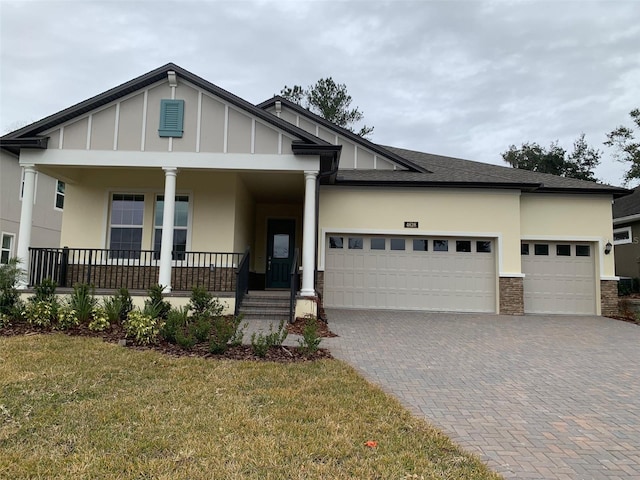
{"x":133,"y":269}
{"x":295,"y":284}
{"x":242,"y":280}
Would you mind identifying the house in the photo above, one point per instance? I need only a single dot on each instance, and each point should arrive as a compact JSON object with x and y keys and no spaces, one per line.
{"x":626,"y":234}
{"x":173,"y":180}
{"x":48,"y":203}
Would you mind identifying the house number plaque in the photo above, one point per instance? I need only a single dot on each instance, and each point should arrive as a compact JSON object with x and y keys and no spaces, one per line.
{"x":410,"y":224}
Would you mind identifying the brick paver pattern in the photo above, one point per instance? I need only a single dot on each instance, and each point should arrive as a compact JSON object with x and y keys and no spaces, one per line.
{"x":536,"y":397}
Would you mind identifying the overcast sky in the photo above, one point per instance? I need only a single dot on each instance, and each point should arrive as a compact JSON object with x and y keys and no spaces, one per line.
{"x":458,"y":78}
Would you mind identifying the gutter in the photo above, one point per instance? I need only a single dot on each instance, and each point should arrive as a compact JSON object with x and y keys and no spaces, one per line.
{"x":628,"y":218}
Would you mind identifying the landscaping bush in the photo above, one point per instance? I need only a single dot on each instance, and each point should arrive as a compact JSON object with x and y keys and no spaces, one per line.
{"x":261,"y":343}
{"x":67,"y":317}
{"x":44,"y":292}
{"x":11,"y":306}
{"x":142,"y":327}
{"x":100,"y":321}
{"x":202,"y":303}
{"x":226,"y":331}
{"x":112,"y":308}
{"x":177,"y":319}
{"x":126,"y":304}
{"x":41,"y":313}
{"x":156,"y":303}
{"x":310,"y":341}
{"x":83,"y":301}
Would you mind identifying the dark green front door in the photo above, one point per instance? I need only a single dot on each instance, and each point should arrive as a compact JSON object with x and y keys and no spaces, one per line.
{"x":280,"y":248}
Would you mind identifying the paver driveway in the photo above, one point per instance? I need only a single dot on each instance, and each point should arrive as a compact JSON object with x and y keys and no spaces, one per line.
{"x":548,"y":397}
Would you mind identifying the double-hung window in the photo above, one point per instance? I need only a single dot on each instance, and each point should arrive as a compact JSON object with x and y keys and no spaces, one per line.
{"x":6,"y":250}
{"x":180,"y":226}
{"x":126,"y":223}
{"x":59,"y":202}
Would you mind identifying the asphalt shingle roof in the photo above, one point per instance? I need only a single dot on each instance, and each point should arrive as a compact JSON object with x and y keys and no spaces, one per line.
{"x":445,"y":170}
{"x":628,"y":205}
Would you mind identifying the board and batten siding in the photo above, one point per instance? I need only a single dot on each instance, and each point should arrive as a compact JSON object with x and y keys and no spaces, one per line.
{"x":353,"y":155}
{"x":130,"y":123}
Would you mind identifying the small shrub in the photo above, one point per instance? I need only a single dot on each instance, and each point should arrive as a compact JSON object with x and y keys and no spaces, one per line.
{"x":177,"y":319}
{"x":226,"y":331}
{"x":310,"y":341}
{"x":10,"y":303}
{"x":201,"y":328}
{"x":83,"y":301}
{"x":67,"y":318}
{"x":126,"y":304}
{"x":156,"y":303}
{"x":112,"y":309}
{"x":46,"y":291}
{"x":142,"y":327}
{"x":202,"y":303}
{"x":185,"y":339}
{"x":41,"y":313}
{"x":260,"y":343}
{"x":100,"y":321}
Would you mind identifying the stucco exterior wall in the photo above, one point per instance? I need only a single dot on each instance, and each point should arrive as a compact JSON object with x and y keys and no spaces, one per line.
{"x":212,"y":198}
{"x":570,"y":217}
{"x":244,"y":218}
{"x":438,"y":212}
{"x":47,"y":220}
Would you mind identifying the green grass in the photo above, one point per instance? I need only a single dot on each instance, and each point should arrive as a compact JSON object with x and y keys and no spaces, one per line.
{"x":80,"y":408}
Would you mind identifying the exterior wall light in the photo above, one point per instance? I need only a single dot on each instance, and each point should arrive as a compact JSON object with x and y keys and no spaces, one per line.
{"x":607,"y":248}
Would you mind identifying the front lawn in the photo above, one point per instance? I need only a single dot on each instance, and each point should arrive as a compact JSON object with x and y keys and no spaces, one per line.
{"x":81,"y":408}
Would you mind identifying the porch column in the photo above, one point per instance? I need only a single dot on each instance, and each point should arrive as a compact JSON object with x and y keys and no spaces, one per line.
{"x":309,"y":235}
{"x":166,"y":245}
{"x":26,"y":219}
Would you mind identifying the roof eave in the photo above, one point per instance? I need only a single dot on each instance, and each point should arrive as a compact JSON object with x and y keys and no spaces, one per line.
{"x":616,"y":192}
{"x":529,"y":187}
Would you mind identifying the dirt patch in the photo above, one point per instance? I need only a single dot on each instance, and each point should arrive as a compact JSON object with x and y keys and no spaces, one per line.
{"x":116,"y":334}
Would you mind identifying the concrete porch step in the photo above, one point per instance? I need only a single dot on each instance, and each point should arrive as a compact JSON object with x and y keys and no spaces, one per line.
{"x":271,"y":305}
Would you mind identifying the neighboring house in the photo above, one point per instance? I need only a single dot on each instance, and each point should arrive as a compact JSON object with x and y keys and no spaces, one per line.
{"x":48,"y":203}
{"x":170,"y":178}
{"x":626,"y":234}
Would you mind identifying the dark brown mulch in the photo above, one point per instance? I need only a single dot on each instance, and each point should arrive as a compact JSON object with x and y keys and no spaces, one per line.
{"x":116,"y":335}
{"x":297,"y":327}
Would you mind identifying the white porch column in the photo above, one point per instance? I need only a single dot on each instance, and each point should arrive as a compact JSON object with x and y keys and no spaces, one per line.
{"x":26,"y":219}
{"x":166,"y":245}
{"x":309,"y":235}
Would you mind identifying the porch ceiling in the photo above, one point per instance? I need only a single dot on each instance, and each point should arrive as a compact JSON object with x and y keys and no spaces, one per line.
{"x":268,"y":187}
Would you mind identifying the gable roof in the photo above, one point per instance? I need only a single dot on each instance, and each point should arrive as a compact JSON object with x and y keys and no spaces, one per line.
{"x":28,"y":136}
{"x":627,"y":206}
{"x":412,"y":167}
{"x":450,"y":171}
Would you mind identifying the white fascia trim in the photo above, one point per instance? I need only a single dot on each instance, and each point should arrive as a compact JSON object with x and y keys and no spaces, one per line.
{"x":183,"y":160}
{"x":511,"y":275}
{"x":629,"y":218}
{"x":404,"y":232}
{"x":610,"y":278}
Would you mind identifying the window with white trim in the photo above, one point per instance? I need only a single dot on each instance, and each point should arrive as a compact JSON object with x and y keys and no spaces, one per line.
{"x":125,"y":230}
{"x":180,"y":226}
{"x":6,"y":248}
{"x":622,"y":236}
{"x":59,"y":201}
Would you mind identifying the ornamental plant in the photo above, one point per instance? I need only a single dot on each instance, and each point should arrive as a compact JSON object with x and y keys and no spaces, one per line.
{"x":310,"y":341}
{"x":142,"y":327}
{"x":67,"y":318}
{"x":99,"y":320}
{"x":83,"y":301}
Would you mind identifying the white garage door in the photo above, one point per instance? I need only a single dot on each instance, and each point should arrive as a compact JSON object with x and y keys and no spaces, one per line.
{"x":439,"y":274}
{"x":559,"y":277}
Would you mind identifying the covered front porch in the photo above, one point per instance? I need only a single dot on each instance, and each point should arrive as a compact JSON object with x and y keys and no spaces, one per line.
{"x":226,"y":231}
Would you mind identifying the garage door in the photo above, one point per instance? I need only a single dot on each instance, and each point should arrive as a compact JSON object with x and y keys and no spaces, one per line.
{"x":392,"y":272}
{"x":559,"y":278}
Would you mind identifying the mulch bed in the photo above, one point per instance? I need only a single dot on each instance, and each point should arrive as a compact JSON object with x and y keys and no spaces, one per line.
{"x":116,"y":334}
{"x":297,"y":327}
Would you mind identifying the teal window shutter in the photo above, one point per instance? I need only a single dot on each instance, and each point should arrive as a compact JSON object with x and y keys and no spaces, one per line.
{"x":171,"y":118}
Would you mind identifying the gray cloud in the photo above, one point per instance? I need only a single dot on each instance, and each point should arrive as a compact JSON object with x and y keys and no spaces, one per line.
{"x":460,"y":78}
